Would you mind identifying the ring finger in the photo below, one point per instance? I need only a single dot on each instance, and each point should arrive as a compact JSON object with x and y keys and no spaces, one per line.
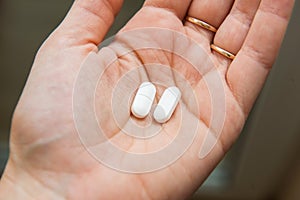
{"x":233,"y":31}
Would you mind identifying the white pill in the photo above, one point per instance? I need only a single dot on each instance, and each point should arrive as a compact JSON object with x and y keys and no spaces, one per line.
{"x":167,"y":104}
{"x":143,"y":100}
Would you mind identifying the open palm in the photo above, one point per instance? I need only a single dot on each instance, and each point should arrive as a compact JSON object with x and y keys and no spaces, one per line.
{"x":46,"y":149}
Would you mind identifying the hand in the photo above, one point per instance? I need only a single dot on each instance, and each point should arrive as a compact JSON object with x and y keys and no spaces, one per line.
{"x":47,"y":159}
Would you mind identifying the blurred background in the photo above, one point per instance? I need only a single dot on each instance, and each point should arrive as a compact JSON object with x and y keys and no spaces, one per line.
{"x":263,"y":164}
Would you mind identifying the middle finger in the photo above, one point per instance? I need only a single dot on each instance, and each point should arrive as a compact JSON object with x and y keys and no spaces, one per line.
{"x":212,"y":12}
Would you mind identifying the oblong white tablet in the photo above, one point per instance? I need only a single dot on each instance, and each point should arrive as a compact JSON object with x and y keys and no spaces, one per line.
{"x":167,"y":104}
{"x":143,"y":100}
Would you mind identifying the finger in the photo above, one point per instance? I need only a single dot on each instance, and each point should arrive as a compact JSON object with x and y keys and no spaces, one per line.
{"x":89,"y":21}
{"x":212,"y":12}
{"x":179,"y":8}
{"x":248,"y":72}
{"x":233,"y":31}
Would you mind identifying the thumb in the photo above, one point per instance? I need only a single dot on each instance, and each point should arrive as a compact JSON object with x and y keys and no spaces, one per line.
{"x":88,"y":21}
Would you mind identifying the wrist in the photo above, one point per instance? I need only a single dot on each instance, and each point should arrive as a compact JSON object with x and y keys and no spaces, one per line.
{"x":17,"y":184}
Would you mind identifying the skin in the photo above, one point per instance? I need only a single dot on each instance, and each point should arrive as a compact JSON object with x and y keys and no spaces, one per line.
{"x":47,"y":159}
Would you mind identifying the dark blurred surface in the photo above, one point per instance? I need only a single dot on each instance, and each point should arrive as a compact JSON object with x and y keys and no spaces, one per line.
{"x":272,"y":131}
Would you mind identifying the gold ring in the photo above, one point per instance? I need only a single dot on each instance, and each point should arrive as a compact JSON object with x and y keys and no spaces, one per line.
{"x":223,"y":52}
{"x":201,"y":23}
